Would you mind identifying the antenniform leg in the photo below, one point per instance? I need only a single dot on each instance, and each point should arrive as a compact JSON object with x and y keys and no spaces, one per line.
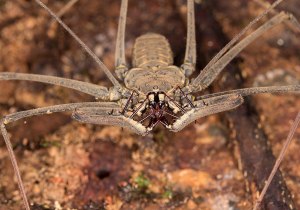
{"x":120,"y":61}
{"x":212,"y":70}
{"x":85,"y":87}
{"x":190,"y":52}
{"x":40,"y":111}
{"x":207,"y":107}
{"x":84,"y":46}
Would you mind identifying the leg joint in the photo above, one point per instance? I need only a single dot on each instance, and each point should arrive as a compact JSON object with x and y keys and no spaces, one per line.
{"x":188,"y":68}
{"x":121,"y":71}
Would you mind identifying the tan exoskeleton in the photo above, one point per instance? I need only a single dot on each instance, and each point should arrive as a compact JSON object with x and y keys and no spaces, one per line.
{"x":154,"y":90}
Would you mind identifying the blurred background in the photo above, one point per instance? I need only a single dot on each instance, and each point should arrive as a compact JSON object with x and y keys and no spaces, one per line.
{"x":65,"y":164}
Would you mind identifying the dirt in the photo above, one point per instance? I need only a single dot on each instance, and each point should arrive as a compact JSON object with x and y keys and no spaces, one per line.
{"x":68,"y":165}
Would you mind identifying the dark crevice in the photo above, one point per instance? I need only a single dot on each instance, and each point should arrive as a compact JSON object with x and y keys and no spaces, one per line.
{"x":255,"y":154}
{"x":103,"y":173}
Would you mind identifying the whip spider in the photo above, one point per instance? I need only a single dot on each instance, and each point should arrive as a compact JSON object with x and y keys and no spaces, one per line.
{"x":152,"y":91}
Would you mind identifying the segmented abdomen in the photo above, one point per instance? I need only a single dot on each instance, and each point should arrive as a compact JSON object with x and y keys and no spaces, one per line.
{"x":151,"y":50}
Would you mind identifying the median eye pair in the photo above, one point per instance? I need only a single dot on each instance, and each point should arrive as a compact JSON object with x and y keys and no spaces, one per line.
{"x":156,"y":100}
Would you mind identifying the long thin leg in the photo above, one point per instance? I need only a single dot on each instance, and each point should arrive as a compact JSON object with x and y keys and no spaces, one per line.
{"x":68,"y":6}
{"x":84,"y":46}
{"x":190,"y":51}
{"x":120,"y":61}
{"x":39,"y":111}
{"x":207,"y":76}
{"x":266,"y":5}
{"x":210,"y":106}
{"x":278,"y":161}
{"x":256,"y":90}
{"x":56,"y":108}
{"x":88,"y":88}
{"x":240,"y":34}
{"x":15,"y":165}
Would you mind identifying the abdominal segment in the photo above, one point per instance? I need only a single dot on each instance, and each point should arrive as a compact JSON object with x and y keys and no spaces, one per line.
{"x":153,"y":66}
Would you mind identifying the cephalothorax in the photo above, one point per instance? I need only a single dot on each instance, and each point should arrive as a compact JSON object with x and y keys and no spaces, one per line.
{"x":153,"y":91}
{"x":154,"y":79}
